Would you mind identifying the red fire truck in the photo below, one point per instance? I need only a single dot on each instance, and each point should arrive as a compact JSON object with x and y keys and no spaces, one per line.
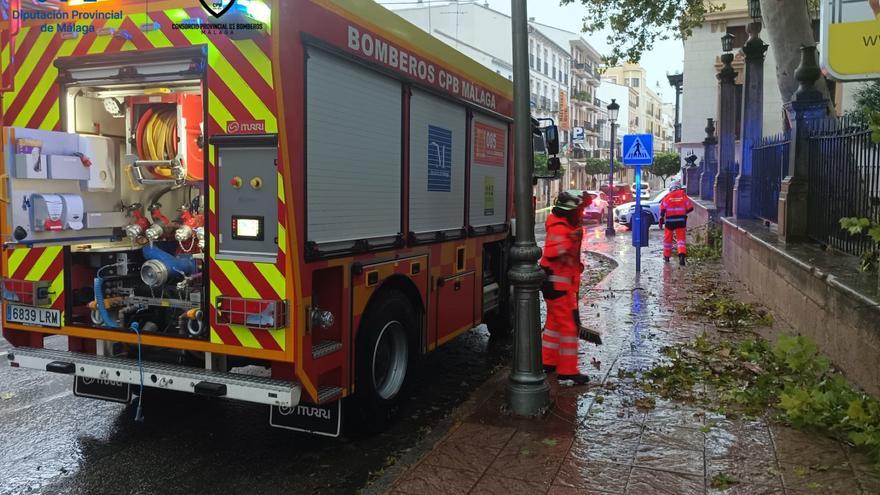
{"x":315,"y":187}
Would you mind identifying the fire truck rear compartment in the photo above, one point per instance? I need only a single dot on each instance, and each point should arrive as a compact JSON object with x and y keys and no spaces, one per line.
{"x":148,"y":275}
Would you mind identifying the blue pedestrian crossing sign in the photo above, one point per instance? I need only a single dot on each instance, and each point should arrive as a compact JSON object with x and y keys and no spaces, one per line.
{"x":638,"y":150}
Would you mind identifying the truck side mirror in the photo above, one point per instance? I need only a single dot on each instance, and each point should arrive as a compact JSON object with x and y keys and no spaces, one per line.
{"x":553,"y":164}
{"x":551,"y":134}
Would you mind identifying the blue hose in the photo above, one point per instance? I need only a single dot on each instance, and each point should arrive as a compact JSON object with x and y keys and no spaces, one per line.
{"x":99,"y":302}
{"x":179,"y":264}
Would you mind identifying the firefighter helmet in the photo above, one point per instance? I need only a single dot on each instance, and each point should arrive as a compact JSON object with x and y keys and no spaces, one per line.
{"x":567,"y":200}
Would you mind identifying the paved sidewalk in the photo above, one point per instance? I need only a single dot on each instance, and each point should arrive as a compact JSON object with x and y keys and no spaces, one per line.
{"x":610,"y":445}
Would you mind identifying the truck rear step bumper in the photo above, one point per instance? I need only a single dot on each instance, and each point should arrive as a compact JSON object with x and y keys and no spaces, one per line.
{"x":233,"y":386}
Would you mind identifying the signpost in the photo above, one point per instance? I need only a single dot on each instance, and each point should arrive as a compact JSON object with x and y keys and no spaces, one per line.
{"x":638,"y":152}
{"x":851,"y":39}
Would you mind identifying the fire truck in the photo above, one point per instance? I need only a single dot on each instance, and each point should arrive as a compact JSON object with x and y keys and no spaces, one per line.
{"x":315,"y":188}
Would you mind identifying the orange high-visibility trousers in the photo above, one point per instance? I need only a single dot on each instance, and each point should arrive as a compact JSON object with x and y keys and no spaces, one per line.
{"x":559,"y":340}
{"x":673,"y":236}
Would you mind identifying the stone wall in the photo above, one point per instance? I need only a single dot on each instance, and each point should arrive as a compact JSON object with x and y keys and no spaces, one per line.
{"x":844,"y":323}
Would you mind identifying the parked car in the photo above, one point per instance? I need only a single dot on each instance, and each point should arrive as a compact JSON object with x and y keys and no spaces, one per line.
{"x":646,"y":190}
{"x":624,"y":213}
{"x":598,"y":209}
{"x":622,"y":194}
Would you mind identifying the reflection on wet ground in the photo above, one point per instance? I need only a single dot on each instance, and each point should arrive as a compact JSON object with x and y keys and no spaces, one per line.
{"x":52,"y":442}
{"x":611,"y":437}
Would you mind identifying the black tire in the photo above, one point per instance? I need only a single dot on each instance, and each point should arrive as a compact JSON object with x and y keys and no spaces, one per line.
{"x":384,"y":357}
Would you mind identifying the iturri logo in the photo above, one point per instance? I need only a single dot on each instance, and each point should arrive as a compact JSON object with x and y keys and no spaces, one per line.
{"x":217,"y":7}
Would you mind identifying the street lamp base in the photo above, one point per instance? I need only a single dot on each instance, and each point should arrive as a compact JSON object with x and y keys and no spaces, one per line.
{"x":528,"y":399}
{"x":609,"y":232}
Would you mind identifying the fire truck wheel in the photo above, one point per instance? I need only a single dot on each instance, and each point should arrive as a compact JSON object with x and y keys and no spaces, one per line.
{"x":383,"y":356}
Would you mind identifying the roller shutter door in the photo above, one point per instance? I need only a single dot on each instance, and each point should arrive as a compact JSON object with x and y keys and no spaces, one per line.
{"x":489,"y":162}
{"x":436,"y":164}
{"x":353,"y":158}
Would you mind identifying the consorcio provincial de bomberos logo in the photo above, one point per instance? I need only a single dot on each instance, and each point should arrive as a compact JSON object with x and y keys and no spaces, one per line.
{"x":217,"y":7}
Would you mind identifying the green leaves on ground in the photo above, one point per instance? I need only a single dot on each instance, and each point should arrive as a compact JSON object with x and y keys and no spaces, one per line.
{"x":727,"y":313}
{"x":752,"y":378}
{"x":707,"y":245}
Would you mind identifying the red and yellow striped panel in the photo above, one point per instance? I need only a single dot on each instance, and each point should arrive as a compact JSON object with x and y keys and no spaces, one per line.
{"x":36,"y":264}
{"x":240,"y":87}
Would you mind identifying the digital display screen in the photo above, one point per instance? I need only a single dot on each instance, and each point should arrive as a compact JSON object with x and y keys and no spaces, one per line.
{"x":247,"y":228}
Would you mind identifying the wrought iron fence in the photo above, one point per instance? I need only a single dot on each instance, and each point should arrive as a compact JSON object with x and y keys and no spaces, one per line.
{"x":844,"y":167}
{"x":769,"y":167}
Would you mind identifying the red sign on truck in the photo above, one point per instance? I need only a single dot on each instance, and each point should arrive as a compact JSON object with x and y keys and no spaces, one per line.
{"x":489,"y":144}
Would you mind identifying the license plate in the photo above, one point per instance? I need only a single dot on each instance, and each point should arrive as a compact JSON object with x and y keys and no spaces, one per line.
{"x":29,"y":315}
{"x":325,"y":420}
{"x":95,"y":388}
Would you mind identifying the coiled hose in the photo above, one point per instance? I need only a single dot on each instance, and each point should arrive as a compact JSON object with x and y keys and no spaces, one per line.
{"x":156,"y":138}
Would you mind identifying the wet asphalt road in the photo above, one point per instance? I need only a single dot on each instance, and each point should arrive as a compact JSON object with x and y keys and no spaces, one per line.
{"x":53,"y":442}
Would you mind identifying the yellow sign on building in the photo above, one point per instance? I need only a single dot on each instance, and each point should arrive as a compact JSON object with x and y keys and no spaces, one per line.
{"x":851,"y":39}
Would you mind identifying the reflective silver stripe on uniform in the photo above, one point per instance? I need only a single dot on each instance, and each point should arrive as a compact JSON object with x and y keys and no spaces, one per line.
{"x":551,"y":345}
{"x":557,"y":278}
{"x":568,"y":340}
{"x":551,"y":333}
{"x":568,"y":352}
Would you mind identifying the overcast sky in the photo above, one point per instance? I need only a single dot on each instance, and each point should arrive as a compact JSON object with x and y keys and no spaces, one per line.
{"x":666,"y":57}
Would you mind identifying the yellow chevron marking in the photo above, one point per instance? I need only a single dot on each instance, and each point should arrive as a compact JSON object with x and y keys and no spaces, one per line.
{"x":56,"y":288}
{"x":258,"y":59}
{"x":213,"y":292}
{"x":280,"y":188}
{"x":278,"y":335}
{"x":245,"y":336}
{"x":282,"y":238}
{"x":212,"y":200}
{"x":28,"y":64}
{"x":42,"y":88}
{"x":42,"y":264}
{"x":156,"y":37}
{"x":15,"y":259}
{"x":240,"y":89}
{"x":238,"y":280}
{"x":101,"y":42}
{"x":217,"y":110}
{"x":272,"y":275}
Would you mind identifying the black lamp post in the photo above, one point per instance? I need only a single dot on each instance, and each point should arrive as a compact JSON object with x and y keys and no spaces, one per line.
{"x":613,"y":112}
{"x":677,"y":81}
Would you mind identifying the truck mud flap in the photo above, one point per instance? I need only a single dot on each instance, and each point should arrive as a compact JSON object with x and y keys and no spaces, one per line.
{"x":324,"y":419}
{"x":97,"y":388}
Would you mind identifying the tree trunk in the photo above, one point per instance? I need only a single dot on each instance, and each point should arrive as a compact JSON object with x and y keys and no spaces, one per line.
{"x":788,"y":25}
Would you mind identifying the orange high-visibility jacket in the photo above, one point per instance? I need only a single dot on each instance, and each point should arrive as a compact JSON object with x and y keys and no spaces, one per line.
{"x":675,"y":207}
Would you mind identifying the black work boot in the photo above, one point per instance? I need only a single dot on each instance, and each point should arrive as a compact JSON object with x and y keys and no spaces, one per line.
{"x":578,"y":379}
{"x":666,"y":259}
{"x":681,"y":259}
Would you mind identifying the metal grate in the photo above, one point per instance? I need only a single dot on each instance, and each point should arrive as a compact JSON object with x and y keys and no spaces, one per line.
{"x":267,"y":314}
{"x":325,"y":348}
{"x":769,"y":167}
{"x":844,"y":168}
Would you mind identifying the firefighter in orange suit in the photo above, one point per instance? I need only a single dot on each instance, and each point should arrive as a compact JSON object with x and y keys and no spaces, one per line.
{"x":674,"y":210}
{"x":562,"y":264}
